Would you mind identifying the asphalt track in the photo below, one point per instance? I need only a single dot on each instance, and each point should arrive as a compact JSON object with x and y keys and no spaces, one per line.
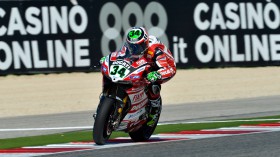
{"x":251,"y":145}
{"x":248,"y":145}
{"x":239,"y":108}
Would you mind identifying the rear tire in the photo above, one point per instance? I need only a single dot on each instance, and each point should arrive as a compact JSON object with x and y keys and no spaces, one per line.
{"x":144,"y":133}
{"x":102,"y":129}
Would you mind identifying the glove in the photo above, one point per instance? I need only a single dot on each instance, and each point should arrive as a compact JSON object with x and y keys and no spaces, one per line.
{"x":153,"y":76}
{"x":102,"y":60}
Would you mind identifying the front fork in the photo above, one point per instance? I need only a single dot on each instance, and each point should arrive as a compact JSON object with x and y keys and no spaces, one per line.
{"x":116,"y":117}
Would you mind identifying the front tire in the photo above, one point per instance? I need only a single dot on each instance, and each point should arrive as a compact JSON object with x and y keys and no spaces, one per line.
{"x":102,"y":129}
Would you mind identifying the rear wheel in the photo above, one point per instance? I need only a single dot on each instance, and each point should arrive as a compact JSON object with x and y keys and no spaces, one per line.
{"x":102,"y":129}
{"x":143,"y":133}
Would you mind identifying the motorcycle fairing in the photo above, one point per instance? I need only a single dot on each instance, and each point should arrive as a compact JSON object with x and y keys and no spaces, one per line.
{"x":124,"y":71}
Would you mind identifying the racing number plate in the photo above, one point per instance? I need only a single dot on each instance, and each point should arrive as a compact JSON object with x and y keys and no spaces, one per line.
{"x":118,"y":72}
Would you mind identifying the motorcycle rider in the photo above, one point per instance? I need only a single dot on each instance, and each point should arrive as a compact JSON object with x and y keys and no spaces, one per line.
{"x":139,"y":44}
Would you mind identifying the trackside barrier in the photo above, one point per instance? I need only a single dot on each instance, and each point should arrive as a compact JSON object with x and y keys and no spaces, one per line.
{"x":69,"y":35}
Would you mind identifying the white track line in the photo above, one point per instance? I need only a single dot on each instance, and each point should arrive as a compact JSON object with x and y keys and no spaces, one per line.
{"x":42,"y":129}
{"x":190,"y":136}
{"x":224,"y":121}
{"x":23,"y":154}
{"x":245,"y":128}
{"x":90,"y":127}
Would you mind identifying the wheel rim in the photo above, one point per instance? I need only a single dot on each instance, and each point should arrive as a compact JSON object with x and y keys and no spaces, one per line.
{"x":109,"y":128}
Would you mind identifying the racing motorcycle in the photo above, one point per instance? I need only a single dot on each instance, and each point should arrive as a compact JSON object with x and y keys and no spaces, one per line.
{"x":124,"y":105}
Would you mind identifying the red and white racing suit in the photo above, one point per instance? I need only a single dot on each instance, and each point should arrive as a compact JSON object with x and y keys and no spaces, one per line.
{"x":164,"y":64}
{"x":162,"y":61}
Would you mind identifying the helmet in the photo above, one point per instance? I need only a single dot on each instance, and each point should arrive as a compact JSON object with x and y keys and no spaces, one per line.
{"x":137,"y":42}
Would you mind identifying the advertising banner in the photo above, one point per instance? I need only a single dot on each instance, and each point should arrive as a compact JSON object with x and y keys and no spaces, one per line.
{"x":44,"y":36}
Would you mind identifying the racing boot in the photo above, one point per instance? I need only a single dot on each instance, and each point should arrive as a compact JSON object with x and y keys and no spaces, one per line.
{"x":154,"y":112}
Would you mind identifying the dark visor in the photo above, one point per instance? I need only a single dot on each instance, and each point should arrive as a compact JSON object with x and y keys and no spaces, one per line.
{"x":136,"y":49}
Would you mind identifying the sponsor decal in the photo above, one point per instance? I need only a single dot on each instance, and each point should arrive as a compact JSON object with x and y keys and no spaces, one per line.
{"x":141,"y":62}
{"x":137,"y":107}
{"x":138,"y":97}
{"x":165,"y":72}
{"x":134,"y":77}
{"x":123,"y":63}
{"x":137,"y":114}
{"x":104,"y":69}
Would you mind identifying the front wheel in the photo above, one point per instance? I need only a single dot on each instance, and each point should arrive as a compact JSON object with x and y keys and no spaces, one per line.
{"x":143,"y":133}
{"x":102,"y":129}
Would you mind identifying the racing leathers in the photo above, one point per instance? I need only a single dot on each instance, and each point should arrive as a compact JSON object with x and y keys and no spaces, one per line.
{"x":164,"y":68}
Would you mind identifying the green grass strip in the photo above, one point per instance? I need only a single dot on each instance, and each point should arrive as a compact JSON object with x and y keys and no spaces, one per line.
{"x":87,"y":135}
